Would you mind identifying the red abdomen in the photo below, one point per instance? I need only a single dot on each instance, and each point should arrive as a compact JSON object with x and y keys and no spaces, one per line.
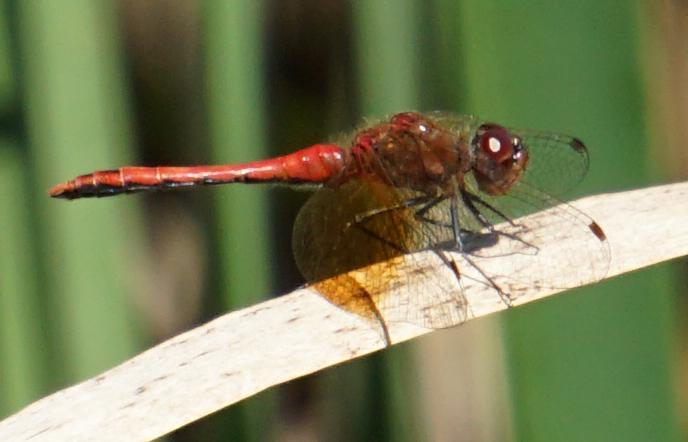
{"x":314,"y":165}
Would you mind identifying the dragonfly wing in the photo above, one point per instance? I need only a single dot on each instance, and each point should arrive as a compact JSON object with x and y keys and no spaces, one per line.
{"x":355,"y":243}
{"x":557,"y":163}
{"x":527,"y":241}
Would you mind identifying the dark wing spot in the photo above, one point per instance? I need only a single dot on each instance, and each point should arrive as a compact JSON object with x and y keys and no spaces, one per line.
{"x":577,"y":145}
{"x":597,"y":231}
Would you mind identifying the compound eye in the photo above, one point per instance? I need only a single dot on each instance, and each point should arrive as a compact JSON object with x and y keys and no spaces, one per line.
{"x":496,"y":142}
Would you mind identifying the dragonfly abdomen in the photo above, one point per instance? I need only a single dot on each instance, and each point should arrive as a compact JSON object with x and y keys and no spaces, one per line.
{"x":316,"y":164}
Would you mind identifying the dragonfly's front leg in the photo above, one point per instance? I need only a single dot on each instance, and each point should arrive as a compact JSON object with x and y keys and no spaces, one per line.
{"x":469,"y":199}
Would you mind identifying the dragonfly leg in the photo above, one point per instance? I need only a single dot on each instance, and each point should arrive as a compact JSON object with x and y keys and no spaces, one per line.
{"x":469,"y":199}
{"x":431,"y":202}
{"x":361,"y":219}
{"x":505,"y":297}
{"x":458,"y":243}
{"x":383,"y":324}
{"x":455,"y":225}
{"x":462,"y":233}
{"x":451,"y":263}
{"x":412,"y":202}
{"x":427,"y":203}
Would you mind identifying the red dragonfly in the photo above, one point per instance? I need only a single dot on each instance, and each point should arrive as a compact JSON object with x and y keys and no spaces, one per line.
{"x":411,"y":182}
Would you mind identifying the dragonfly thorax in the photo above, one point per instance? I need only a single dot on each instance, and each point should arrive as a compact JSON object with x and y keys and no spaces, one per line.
{"x":412,"y":152}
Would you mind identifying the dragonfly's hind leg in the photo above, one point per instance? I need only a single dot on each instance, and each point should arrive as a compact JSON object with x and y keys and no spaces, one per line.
{"x":451,"y":263}
{"x":506,"y":297}
{"x":381,"y":321}
{"x":412,"y":202}
{"x":362,"y":219}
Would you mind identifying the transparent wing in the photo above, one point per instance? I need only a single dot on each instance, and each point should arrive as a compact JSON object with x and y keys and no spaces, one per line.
{"x":355,"y":242}
{"x":526,"y":240}
{"x":363,"y":235}
{"x":556,"y":164}
{"x":362,"y":223}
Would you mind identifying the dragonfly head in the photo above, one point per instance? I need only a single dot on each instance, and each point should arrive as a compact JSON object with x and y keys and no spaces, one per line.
{"x":500,"y":158}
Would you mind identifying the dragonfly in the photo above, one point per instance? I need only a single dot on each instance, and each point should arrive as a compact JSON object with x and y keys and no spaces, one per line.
{"x":436,"y":182}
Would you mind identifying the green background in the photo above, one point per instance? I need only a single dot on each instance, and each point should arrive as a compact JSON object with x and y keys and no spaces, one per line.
{"x":87,"y":84}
